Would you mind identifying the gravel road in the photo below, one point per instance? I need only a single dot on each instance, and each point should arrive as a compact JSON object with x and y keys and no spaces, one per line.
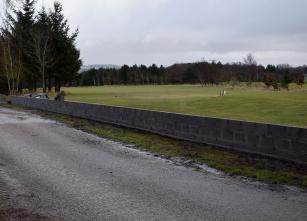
{"x":49,"y":171}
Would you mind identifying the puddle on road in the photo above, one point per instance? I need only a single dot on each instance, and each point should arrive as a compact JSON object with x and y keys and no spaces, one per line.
{"x":8,"y":116}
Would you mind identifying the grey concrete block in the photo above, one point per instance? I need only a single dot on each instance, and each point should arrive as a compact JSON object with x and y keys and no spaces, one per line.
{"x":234,"y":125}
{"x":253,"y":140}
{"x":267,"y":141}
{"x":216,"y":133}
{"x":240,"y":137}
{"x":299,"y":147}
{"x":2,"y":99}
{"x":228,"y":134}
{"x":283,"y":145}
{"x":275,"y":130}
{"x":205,"y":131}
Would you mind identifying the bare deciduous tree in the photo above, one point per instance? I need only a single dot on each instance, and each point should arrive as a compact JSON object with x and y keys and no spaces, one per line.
{"x":251,"y":63}
{"x":250,"y":59}
{"x":42,"y":53}
{"x":11,"y":62}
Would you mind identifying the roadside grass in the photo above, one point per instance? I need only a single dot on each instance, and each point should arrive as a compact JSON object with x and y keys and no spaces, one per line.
{"x":287,"y":107}
{"x":232,"y":162}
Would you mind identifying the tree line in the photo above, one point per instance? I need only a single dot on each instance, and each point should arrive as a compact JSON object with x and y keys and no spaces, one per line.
{"x":125,"y":75}
{"x":204,"y":73}
{"x":37,"y":49}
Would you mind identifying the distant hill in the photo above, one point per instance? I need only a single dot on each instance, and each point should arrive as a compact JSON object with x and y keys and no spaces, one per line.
{"x":98,"y":66}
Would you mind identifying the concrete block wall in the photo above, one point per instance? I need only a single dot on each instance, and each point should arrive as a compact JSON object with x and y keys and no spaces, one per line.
{"x":2,"y":99}
{"x":281,"y":142}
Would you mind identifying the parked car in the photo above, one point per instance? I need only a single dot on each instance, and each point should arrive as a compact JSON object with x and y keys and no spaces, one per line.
{"x":39,"y":96}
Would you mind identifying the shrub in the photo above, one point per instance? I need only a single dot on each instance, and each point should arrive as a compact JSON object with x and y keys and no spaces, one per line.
{"x":268,"y":80}
{"x":286,"y":80}
{"x":300,"y":79}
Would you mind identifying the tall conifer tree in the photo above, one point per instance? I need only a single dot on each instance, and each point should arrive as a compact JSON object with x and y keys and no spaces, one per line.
{"x":67,"y":61}
{"x":23,"y":27}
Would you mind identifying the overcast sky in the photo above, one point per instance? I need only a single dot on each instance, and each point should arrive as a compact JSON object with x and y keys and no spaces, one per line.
{"x":172,"y":31}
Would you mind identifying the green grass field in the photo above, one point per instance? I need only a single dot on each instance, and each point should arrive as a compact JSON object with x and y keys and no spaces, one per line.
{"x":242,"y":103}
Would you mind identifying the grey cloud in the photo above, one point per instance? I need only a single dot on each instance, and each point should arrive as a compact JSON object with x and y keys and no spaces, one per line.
{"x":168,"y":31}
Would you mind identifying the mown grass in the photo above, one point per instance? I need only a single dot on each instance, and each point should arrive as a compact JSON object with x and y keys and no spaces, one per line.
{"x":242,"y":103}
{"x":231,"y":162}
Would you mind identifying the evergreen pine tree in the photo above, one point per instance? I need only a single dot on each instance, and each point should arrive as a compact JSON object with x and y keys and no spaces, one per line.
{"x":66,"y":56}
{"x":23,"y":27}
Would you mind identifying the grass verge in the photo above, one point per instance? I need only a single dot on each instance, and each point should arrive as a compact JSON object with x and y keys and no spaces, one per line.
{"x":232,"y":162}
